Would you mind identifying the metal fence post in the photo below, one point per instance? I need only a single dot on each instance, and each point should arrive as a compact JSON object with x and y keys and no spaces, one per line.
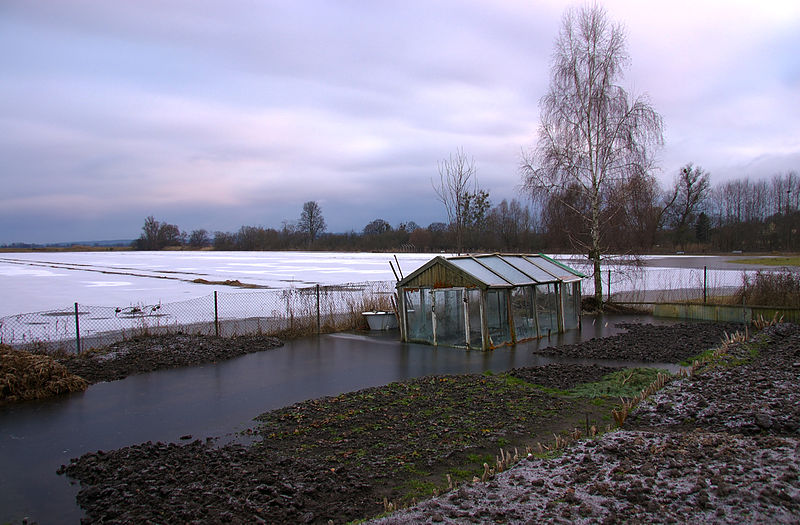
{"x":77,"y":331}
{"x":609,"y":286}
{"x":216,"y":315}
{"x":705,"y":284}
{"x":319,"y":326}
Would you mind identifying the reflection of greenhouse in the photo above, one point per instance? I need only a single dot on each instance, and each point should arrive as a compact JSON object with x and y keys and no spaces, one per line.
{"x":485,"y":301}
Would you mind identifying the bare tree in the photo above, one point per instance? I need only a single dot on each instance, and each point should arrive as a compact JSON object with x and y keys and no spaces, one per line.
{"x":638,"y":207}
{"x":692,"y":188}
{"x":199,"y":239}
{"x":592,"y":135}
{"x":158,"y":235}
{"x":311,"y":222}
{"x":457,"y":185}
{"x":377,"y":227}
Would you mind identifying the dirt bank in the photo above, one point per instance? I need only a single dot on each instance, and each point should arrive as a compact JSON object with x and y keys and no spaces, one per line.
{"x":139,"y":355}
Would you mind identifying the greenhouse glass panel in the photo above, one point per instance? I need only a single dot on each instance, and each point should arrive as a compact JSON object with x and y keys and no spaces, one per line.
{"x":571,"y":304}
{"x":482,"y":273}
{"x":529,"y":268}
{"x":497,"y":317}
{"x":508,"y":272}
{"x":546,"y":305}
{"x":554,"y":269}
{"x":419,"y":314}
{"x":522,"y":310}
{"x":449,"y":309}
{"x":474,"y":307}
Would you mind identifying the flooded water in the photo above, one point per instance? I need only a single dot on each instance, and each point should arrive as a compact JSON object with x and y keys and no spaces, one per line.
{"x":218,"y":399}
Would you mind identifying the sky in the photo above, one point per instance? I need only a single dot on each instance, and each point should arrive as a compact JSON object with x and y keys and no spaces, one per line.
{"x":218,"y":114}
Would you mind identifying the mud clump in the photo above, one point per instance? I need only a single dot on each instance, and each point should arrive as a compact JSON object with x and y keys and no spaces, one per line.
{"x":561,"y":376}
{"x":199,"y":483}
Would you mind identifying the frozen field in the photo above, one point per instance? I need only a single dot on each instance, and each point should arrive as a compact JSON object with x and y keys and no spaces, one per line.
{"x":46,"y":281}
{"x":32,"y":282}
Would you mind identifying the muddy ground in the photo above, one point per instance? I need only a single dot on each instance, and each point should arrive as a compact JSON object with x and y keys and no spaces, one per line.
{"x":342,"y":458}
{"x":649,"y":343}
{"x":720,"y":447}
{"x":139,"y":355}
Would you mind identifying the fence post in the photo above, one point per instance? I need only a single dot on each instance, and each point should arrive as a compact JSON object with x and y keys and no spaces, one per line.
{"x":77,"y":331}
{"x":609,"y":286}
{"x":319,"y":326}
{"x":705,"y":284}
{"x":216,"y":315}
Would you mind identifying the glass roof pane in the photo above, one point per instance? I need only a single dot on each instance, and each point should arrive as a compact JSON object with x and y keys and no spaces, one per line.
{"x":529,"y":268}
{"x":555,"y":269}
{"x":473,"y":267}
{"x":506,"y":270}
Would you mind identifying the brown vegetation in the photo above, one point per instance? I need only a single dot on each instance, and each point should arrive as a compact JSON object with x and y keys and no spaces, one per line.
{"x":770,"y":289}
{"x":25,"y":376}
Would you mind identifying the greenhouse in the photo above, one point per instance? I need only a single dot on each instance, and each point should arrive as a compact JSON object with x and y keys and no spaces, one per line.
{"x":486,"y":301}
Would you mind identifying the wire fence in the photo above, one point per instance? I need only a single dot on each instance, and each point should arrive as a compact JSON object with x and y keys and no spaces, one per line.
{"x":632,"y":284}
{"x":301,"y":311}
{"x":294,"y":311}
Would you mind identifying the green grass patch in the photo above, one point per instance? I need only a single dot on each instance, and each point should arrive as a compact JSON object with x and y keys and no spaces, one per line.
{"x":699,"y":357}
{"x":769,"y":261}
{"x":623,"y":383}
{"x":417,"y":489}
{"x":480,"y":459}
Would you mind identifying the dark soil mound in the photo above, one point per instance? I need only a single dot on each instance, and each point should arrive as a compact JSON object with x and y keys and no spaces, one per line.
{"x":156,"y":352}
{"x":197,"y":483}
{"x":649,"y":343}
{"x":562,"y":376}
{"x":25,"y":376}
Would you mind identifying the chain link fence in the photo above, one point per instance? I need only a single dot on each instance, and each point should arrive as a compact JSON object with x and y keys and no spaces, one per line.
{"x":284,"y":312}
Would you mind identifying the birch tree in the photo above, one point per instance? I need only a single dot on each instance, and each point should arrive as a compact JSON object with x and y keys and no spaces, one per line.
{"x":593,"y":135}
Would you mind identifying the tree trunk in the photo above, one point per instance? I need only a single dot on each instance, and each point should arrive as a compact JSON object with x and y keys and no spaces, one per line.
{"x":595,"y":251}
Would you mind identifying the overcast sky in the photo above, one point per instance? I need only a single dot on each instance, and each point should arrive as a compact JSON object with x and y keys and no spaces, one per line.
{"x":218,"y":114}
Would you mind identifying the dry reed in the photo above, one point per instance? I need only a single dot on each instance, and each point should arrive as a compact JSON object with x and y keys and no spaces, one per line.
{"x":25,"y":376}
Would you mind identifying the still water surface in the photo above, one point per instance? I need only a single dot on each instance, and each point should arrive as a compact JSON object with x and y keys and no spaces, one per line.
{"x":217,"y":400}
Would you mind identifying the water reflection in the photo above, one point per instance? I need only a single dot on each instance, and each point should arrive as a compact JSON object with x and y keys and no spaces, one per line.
{"x":215,"y":399}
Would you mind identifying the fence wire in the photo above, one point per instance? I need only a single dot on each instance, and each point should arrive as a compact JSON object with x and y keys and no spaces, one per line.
{"x":268,"y":312}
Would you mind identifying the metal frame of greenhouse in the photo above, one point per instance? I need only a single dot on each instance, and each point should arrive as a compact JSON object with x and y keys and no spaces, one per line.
{"x":486,"y":301}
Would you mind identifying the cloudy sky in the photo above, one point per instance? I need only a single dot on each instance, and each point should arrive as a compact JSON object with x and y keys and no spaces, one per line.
{"x":217,"y":114}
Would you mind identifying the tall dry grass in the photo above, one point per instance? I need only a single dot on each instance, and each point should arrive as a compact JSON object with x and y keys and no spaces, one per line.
{"x":25,"y":376}
{"x":765,"y":288}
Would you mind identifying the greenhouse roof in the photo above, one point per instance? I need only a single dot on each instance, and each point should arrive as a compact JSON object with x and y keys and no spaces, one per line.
{"x":491,"y":271}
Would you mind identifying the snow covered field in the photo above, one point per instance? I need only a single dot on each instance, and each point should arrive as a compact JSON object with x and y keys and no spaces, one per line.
{"x":32,"y":282}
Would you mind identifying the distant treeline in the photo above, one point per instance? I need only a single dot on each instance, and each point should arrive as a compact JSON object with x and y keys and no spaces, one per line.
{"x":639,"y":217}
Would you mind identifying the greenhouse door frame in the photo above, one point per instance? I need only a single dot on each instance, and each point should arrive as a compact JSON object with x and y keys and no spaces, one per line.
{"x":464,"y":305}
